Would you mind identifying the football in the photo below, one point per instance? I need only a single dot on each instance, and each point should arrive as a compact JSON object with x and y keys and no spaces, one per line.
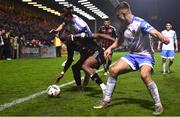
{"x":53,"y":90}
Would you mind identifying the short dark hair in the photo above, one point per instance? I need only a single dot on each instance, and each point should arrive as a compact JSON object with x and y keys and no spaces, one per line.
{"x":123,"y":5}
{"x":106,"y":19}
{"x":67,"y":11}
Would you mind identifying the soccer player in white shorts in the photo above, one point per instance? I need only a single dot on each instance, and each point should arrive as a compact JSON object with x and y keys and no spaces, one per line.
{"x":168,"y":50}
{"x":139,"y":58}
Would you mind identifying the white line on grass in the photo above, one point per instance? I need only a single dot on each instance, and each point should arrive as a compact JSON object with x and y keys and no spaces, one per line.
{"x":21,"y":100}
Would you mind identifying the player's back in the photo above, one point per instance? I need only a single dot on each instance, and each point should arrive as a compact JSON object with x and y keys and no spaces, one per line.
{"x":85,"y":46}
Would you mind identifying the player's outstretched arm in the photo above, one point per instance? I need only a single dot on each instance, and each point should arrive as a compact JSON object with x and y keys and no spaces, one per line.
{"x":158,"y":35}
{"x":176,"y":44}
{"x":59,"y":28}
{"x":111,"y":48}
{"x":159,"y":46}
{"x":103,"y":36}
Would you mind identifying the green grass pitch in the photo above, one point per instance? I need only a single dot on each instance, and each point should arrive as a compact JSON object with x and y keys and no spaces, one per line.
{"x":24,"y":77}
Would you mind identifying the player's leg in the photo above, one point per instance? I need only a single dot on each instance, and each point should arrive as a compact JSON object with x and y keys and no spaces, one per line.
{"x":164,"y":65}
{"x":76,"y":68}
{"x":164,"y":57}
{"x":86,"y":80}
{"x":171,"y":59}
{"x":169,"y":65}
{"x":88,"y":67}
{"x":107,"y":65}
{"x":119,"y":67}
{"x":146,"y":76}
{"x":109,"y":61}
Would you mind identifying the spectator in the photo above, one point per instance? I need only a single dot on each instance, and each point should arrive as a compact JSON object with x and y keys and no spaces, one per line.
{"x":1,"y":46}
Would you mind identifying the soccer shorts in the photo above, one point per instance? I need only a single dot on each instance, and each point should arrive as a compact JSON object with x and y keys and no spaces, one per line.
{"x":99,"y":55}
{"x":135,"y":61}
{"x":167,"y":54}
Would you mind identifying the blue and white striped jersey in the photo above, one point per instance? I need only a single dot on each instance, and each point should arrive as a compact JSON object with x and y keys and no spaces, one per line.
{"x":79,"y":26}
{"x":137,"y":37}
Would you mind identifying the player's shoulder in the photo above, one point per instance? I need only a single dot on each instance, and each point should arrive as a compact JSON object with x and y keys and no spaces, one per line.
{"x":75,"y":16}
{"x":164,"y":31}
{"x":138,"y":19}
{"x":170,"y":31}
{"x":102,"y":27}
{"x":112,"y":27}
{"x":173,"y":31}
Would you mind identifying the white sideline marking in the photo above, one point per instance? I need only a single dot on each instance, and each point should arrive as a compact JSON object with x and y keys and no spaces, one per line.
{"x":21,"y":100}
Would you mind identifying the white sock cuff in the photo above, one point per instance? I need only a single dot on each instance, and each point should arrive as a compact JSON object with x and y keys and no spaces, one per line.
{"x":111,"y":80}
{"x":103,"y":86}
{"x":152,"y":85}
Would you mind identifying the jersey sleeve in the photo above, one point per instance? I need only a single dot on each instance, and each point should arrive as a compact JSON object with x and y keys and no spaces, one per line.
{"x":82,"y":25}
{"x":146,"y":27}
{"x":174,"y":36}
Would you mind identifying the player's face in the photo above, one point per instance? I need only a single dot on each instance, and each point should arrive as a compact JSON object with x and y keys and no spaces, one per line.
{"x":106,"y":23}
{"x":68,"y":18}
{"x":168,"y":26}
{"x":121,"y":15}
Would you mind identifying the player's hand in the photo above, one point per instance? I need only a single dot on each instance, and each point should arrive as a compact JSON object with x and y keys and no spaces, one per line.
{"x":83,"y":35}
{"x":59,"y":77}
{"x":107,"y":53}
{"x":166,"y":40}
{"x":158,"y":48}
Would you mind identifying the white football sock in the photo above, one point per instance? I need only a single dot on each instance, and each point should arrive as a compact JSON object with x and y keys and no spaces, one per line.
{"x":164,"y":67}
{"x":154,"y":92}
{"x":103,"y":86}
{"x":109,"y":88}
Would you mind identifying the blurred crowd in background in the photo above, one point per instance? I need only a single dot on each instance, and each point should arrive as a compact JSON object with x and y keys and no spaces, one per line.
{"x":20,"y":27}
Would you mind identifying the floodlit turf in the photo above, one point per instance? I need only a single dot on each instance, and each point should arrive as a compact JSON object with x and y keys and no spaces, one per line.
{"x":24,"y":77}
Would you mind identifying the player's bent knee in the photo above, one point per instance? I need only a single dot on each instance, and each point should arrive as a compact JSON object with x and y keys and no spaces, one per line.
{"x":163,"y":60}
{"x":171,"y":60}
{"x":113,"y":72}
{"x":85,"y":67}
{"x":75,"y":67}
{"x":145,"y":75}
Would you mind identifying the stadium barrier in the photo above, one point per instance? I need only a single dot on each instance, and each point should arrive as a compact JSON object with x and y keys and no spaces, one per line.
{"x":37,"y":52}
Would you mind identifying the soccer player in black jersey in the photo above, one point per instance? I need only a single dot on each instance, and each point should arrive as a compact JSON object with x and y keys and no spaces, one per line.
{"x":91,"y":56}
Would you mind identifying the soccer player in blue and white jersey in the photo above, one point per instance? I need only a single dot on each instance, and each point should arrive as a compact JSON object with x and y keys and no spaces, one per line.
{"x":168,"y":50}
{"x":72,"y":22}
{"x":140,"y":56}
